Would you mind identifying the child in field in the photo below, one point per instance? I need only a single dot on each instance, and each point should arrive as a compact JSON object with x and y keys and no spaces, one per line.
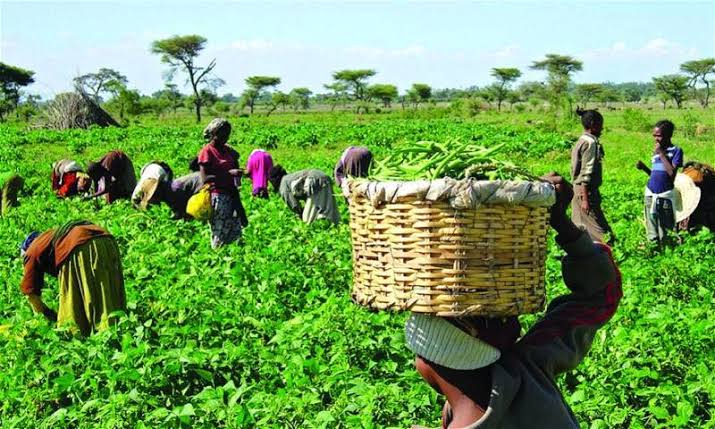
{"x":587,"y":175}
{"x":313,"y":186}
{"x":659,"y":192}
{"x":493,"y":379}
{"x":86,"y":261}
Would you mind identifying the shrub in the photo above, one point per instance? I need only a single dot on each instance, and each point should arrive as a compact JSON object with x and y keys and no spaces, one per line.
{"x":635,"y":120}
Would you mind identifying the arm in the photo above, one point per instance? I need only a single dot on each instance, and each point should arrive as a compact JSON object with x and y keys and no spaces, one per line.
{"x":289,"y":198}
{"x":561,"y":339}
{"x":642,"y":167}
{"x":670,"y":169}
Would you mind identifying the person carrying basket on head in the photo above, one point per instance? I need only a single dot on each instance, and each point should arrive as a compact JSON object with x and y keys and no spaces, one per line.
{"x":490,"y":377}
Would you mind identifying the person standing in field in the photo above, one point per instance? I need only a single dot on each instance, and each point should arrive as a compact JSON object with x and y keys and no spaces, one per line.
{"x":113,"y":176}
{"x":219,"y":166}
{"x":354,"y":162}
{"x":86,"y":261}
{"x":11,"y":184}
{"x":69,"y":179}
{"x":659,"y":192}
{"x":587,"y":176}
{"x":490,"y":377}
{"x":258,"y":166}
{"x":313,"y":186}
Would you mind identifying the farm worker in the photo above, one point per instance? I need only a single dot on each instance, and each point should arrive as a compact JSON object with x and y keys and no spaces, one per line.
{"x":11,"y":184}
{"x":313,"y":186}
{"x":68,"y":178}
{"x":113,"y":176}
{"x":355,"y":162}
{"x":587,"y":176}
{"x":703,"y":177}
{"x":177,"y":193}
{"x":218,"y":165}
{"x":152,"y":174}
{"x":86,"y":261}
{"x":258,"y":166}
{"x":659,"y":192}
{"x":493,"y":379}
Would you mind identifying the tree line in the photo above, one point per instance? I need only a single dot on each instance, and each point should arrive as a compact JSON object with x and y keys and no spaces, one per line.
{"x":351,"y":87}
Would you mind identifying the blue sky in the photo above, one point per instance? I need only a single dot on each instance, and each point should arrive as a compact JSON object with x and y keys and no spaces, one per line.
{"x":444,"y":44}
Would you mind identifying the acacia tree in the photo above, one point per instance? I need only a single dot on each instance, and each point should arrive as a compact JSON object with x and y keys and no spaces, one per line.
{"x":698,"y":70}
{"x":355,"y":81}
{"x":419,"y":92}
{"x":11,"y":80}
{"x":300,"y":98}
{"x":586,"y":92}
{"x":105,"y":80}
{"x":338,"y":95}
{"x":384,"y":92}
{"x":559,"y":69}
{"x":256,"y":85}
{"x":675,"y":86}
{"x":505,"y":77}
{"x":181,"y":52}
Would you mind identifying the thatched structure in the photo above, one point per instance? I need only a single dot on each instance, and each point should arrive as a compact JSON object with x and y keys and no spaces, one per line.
{"x":75,"y":110}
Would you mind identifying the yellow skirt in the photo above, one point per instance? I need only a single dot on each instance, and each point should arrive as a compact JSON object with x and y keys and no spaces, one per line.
{"x":91,"y":286}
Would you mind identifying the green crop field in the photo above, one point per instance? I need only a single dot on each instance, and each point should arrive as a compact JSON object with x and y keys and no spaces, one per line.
{"x":264,"y":334}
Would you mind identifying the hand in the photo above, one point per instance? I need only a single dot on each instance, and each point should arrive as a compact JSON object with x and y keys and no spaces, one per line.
{"x":640,"y":165}
{"x":558,"y":220}
{"x":657,"y":149}
{"x":236,"y":172}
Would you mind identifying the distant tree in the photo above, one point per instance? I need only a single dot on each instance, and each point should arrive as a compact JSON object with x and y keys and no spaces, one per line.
{"x":698,"y":70}
{"x":420,"y":92}
{"x":532,"y":90}
{"x":673,"y":85}
{"x":256,"y":86}
{"x":338,"y":95}
{"x":586,"y":92}
{"x":609,"y":94}
{"x":300,"y":98}
{"x":383,"y":92}
{"x":278,"y":99}
{"x":105,"y":80}
{"x":355,"y":82}
{"x":170,"y":96}
{"x":229,"y":98}
{"x":11,"y":80}
{"x":505,"y":77}
{"x":126,"y":101}
{"x":181,"y":52}
{"x":559,"y":69}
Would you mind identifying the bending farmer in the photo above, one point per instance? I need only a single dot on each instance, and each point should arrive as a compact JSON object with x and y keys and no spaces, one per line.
{"x":313,"y":186}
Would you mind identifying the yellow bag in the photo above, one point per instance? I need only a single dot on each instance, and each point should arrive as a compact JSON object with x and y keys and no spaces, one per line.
{"x":199,"y":205}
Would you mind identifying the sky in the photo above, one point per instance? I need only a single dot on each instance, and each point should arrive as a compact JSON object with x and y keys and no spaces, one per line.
{"x":451,"y":44}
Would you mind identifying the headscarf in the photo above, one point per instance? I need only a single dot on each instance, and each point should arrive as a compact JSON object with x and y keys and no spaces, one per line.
{"x":28,"y":241}
{"x":219,"y":128}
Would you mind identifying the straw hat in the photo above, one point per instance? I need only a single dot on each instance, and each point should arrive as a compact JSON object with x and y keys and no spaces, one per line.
{"x":687,"y":197}
{"x":147,"y":188}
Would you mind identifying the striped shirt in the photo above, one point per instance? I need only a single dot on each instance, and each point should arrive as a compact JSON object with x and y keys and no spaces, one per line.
{"x":659,"y":181}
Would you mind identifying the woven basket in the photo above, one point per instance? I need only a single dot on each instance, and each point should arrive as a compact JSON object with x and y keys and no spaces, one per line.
{"x":429,"y":257}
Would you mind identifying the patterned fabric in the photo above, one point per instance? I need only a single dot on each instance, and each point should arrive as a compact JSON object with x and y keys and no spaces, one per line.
{"x":225,"y":222}
{"x":91,"y":286}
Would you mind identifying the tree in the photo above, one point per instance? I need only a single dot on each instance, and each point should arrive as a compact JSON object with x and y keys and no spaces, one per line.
{"x":11,"y":80}
{"x":586,"y":92}
{"x":505,"y":77}
{"x":559,"y":69}
{"x":105,"y":80}
{"x":171,"y":96}
{"x":180,"y":52}
{"x":420,"y":92}
{"x":338,"y":95}
{"x":383,"y":92}
{"x":126,"y":101}
{"x":699,"y":70}
{"x":256,"y":85}
{"x":278,"y":98}
{"x":675,"y":86}
{"x":356,"y":82}
{"x":609,"y":94}
{"x":300,"y":98}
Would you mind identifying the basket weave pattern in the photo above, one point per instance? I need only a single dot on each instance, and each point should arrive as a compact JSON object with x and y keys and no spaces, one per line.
{"x":428,"y":257}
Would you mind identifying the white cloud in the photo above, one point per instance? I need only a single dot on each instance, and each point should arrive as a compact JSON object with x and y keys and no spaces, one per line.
{"x":654,"y":48}
{"x":252,"y":45}
{"x":506,"y":52}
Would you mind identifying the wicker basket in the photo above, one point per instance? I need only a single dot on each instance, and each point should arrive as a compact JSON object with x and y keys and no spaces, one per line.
{"x":410,"y":253}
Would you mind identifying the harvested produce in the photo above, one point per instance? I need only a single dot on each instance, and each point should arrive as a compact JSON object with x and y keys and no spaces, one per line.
{"x":455,"y":159}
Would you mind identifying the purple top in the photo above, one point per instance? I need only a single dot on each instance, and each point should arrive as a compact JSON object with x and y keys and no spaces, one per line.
{"x":659,"y":180}
{"x":258,"y":166}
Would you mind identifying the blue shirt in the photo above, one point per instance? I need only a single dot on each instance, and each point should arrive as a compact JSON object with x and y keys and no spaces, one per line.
{"x":659,"y":180}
